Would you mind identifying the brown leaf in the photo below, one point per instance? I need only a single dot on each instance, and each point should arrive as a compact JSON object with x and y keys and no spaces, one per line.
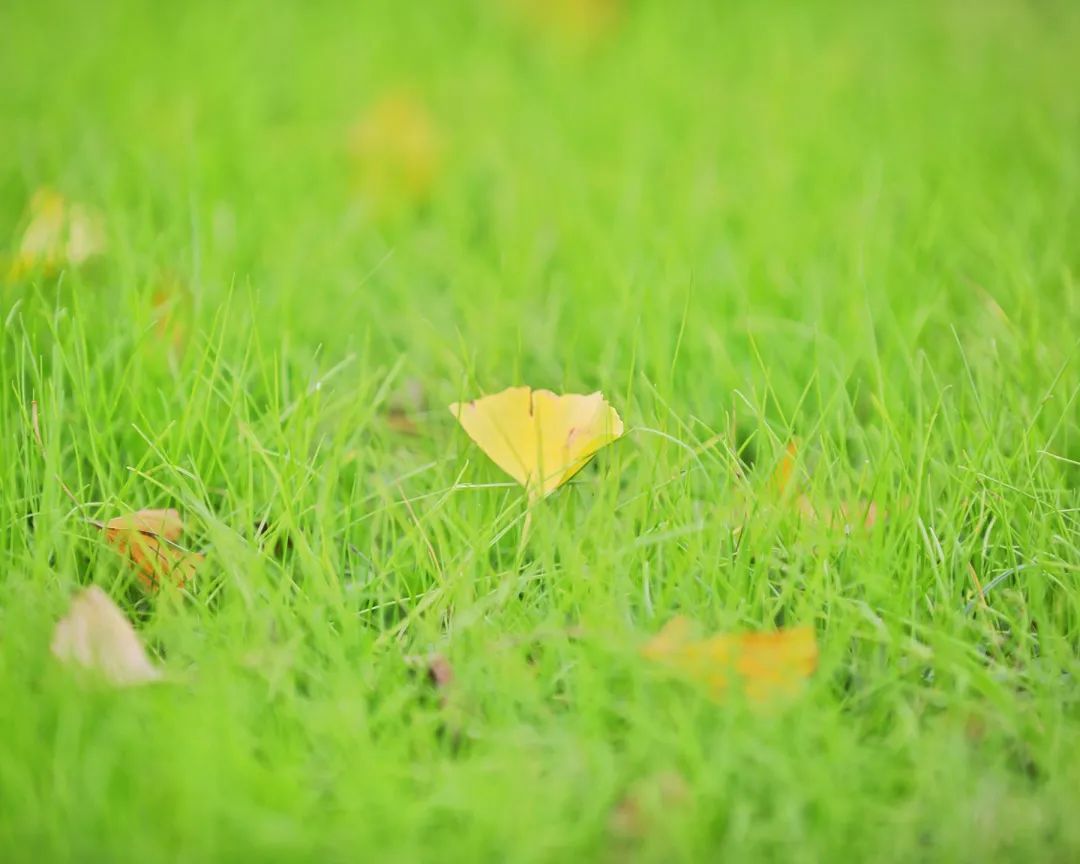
{"x":440,"y":672}
{"x":96,"y":635}
{"x":149,"y":538}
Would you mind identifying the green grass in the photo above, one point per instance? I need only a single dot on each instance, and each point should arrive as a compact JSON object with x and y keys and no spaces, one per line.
{"x":856,"y":225}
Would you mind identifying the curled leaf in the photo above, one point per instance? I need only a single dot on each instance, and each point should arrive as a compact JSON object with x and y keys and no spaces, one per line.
{"x":149,"y":538}
{"x":537,"y":437}
{"x":96,"y":635}
{"x":763,"y":664}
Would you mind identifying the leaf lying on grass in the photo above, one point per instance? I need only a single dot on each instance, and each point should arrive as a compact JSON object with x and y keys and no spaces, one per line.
{"x":537,"y":437}
{"x":58,"y":233}
{"x":763,"y":664}
{"x":149,"y":538}
{"x":96,"y":635}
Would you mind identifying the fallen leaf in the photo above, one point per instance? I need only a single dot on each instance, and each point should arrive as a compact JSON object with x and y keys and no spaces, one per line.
{"x":96,"y":635}
{"x":396,"y":152}
{"x":149,"y":538}
{"x":58,"y":233}
{"x":537,"y":437}
{"x":764,"y":664}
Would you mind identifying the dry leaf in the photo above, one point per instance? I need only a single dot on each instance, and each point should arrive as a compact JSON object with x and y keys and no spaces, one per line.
{"x":96,"y":635}
{"x":764,"y":664}
{"x":149,"y":538}
{"x":537,"y":437}
{"x":396,"y":152}
{"x":58,"y":233}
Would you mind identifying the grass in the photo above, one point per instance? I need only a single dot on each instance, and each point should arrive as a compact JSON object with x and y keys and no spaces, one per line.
{"x":852,"y":225}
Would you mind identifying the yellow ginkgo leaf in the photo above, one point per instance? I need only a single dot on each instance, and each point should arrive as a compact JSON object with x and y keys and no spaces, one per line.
{"x":764,"y":664}
{"x":96,"y":635}
{"x":58,"y":233}
{"x":537,"y":437}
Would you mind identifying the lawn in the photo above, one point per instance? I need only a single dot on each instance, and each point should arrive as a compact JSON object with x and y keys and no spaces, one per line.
{"x":821,"y":257}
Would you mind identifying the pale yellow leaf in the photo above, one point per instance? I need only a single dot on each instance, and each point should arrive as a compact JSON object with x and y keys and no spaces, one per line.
{"x":58,"y":233}
{"x":96,"y":635}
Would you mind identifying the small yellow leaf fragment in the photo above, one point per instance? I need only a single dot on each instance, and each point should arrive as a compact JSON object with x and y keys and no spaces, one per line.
{"x":58,"y":233}
{"x":763,"y":664}
{"x":149,"y":538}
{"x":96,"y":635}
{"x":785,"y":469}
{"x":539,"y":438}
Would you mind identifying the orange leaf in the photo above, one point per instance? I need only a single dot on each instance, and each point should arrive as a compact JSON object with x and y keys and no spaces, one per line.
{"x":765,"y":664}
{"x":149,"y":538}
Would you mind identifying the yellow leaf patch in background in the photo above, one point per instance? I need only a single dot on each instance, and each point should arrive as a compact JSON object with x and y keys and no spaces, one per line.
{"x":763,"y":664}
{"x":537,"y":437}
{"x":58,"y":233}
{"x":396,"y":152}
{"x":573,"y":24}
{"x":149,"y":538}
{"x":96,"y":635}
